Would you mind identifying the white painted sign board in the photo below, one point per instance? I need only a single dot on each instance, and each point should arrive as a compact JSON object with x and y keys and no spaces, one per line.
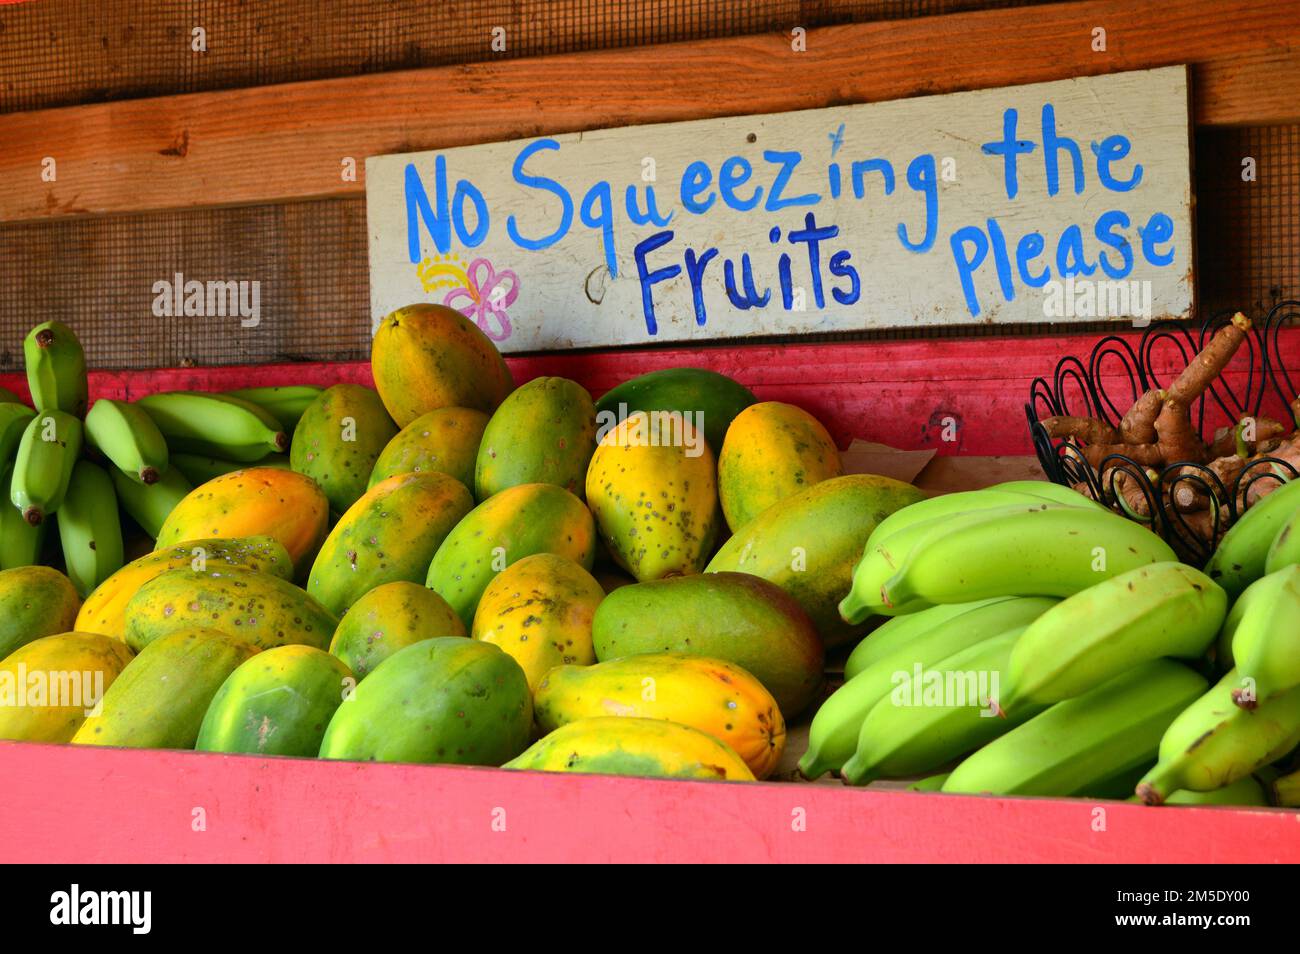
{"x":1051,"y":202}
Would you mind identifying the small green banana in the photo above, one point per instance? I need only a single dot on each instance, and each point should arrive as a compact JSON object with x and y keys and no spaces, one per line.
{"x":1286,"y":791}
{"x":129,"y":438}
{"x":1077,"y":745}
{"x":1163,"y":609}
{"x":150,"y":504}
{"x":47,"y":453}
{"x":90,"y":529}
{"x":898,"y":630}
{"x":1285,"y":548}
{"x":199,"y":469}
{"x":1247,"y":791}
{"x":932,"y":783}
{"x":14,"y":419}
{"x":9,"y":397}
{"x":20,"y":542}
{"x":56,"y":369}
{"x":287,"y":403}
{"x":215,"y":425}
{"x":1051,"y":491}
{"x":1242,"y":555}
{"x":1266,"y":638}
{"x":1213,"y":743}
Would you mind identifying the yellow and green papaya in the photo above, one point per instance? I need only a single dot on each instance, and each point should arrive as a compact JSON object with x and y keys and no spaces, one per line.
{"x":505,"y":528}
{"x":276,"y":703}
{"x":735,"y":617}
{"x":543,"y":433}
{"x":446,"y":700}
{"x":809,"y":543}
{"x":390,"y":534}
{"x":652,"y":748}
{"x":35,"y":601}
{"x":339,"y":438}
{"x":48,"y":686}
{"x":444,"y":441}
{"x":651,"y":485}
{"x":539,"y":611}
{"x":713,"y":696}
{"x":772,"y":451}
{"x":389,"y":618}
{"x":254,"y":607}
{"x":428,"y":356}
{"x":711,"y":400}
{"x":159,"y":700}
{"x":105,"y":609}
{"x":257,"y":501}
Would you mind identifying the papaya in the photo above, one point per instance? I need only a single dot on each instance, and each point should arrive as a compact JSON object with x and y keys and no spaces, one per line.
{"x":35,"y":601}
{"x":105,"y":609}
{"x":544,"y":432}
{"x":159,"y":700}
{"x":428,"y":356}
{"x":711,"y":400}
{"x":276,"y":703}
{"x":809,"y":543}
{"x":444,"y":441}
{"x":447,"y":700}
{"x":339,"y":438}
{"x":652,"y":487}
{"x":48,"y":686}
{"x":706,"y":694}
{"x":199,"y":469}
{"x":771,"y":452}
{"x":390,"y":534}
{"x":505,"y":528}
{"x":539,"y":611}
{"x":389,"y":618}
{"x":654,"y":748}
{"x":257,"y":501}
{"x":735,"y":617}
{"x":257,"y":608}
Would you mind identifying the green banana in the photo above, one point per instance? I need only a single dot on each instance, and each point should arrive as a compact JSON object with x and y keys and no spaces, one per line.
{"x":150,"y":504}
{"x":1048,"y":550}
{"x":47,"y":452}
{"x":1286,"y":791}
{"x":1246,"y":791}
{"x":1242,"y":555}
{"x":287,"y":404}
{"x":1077,"y":745}
{"x":1163,"y":609}
{"x":906,"y":734}
{"x":833,"y":735}
{"x":1266,"y":638}
{"x":20,"y":543}
{"x":129,"y":438}
{"x":1285,"y":548}
{"x":898,"y":630}
{"x":932,"y":783}
{"x":90,"y":530}
{"x":215,"y":425}
{"x":199,"y":469}
{"x":1213,"y":743}
{"x":56,"y":369}
{"x":9,"y":397}
{"x":14,"y":419}
{"x":1257,"y":591}
{"x":1057,"y":493}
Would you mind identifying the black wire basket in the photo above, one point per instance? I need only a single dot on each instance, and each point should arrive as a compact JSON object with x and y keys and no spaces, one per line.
{"x":1114,"y":375}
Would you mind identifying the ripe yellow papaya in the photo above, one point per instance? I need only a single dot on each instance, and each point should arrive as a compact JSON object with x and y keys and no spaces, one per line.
{"x":771,"y":451}
{"x":49,"y":686}
{"x":389,"y":618}
{"x":339,"y":439}
{"x":706,"y":694}
{"x":258,"y":501}
{"x":35,"y":601}
{"x":651,"y":485}
{"x":428,"y":356}
{"x":656,"y":748}
{"x":444,"y":441}
{"x":544,"y":432}
{"x":539,"y":611}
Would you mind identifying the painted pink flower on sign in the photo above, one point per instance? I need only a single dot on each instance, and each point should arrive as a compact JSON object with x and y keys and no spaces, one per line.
{"x":486,"y":298}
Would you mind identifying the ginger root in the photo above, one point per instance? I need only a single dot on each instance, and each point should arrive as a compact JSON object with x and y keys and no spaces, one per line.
{"x":1086,"y":429}
{"x":1139,"y":424}
{"x":1175,"y":437}
{"x":1210,"y":362}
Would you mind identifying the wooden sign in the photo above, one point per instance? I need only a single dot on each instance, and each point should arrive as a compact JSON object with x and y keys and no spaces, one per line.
{"x":1053,"y":202}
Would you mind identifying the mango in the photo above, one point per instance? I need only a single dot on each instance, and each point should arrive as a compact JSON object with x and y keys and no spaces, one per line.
{"x":390,"y":534}
{"x":543,"y":433}
{"x":339,"y":438}
{"x":651,"y":486}
{"x":539,"y":611}
{"x":35,"y":601}
{"x":735,"y":617}
{"x":71,"y":670}
{"x":389,"y":618}
{"x":771,"y":452}
{"x":711,"y":400}
{"x":427,"y":356}
{"x":505,"y":528}
{"x":443,"y":441}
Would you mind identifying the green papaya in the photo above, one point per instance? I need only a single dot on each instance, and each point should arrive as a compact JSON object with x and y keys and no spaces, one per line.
{"x":445,"y":441}
{"x":518,"y":522}
{"x":276,"y":703}
{"x":449,"y":700}
{"x":735,"y":617}
{"x":390,"y":534}
{"x":35,"y":601}
{"x":716,"y":398}
{"x":543,"y":433}
{"x":389,"y":618}
{"x":339,"y":438}
{"x":159,"y":700}
{"x":809,"y":543}
{"x":255,"y":607}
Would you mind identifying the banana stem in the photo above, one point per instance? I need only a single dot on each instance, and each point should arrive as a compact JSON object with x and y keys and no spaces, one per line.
{"x":858,"y":772}
{"x":1158,"y":785}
